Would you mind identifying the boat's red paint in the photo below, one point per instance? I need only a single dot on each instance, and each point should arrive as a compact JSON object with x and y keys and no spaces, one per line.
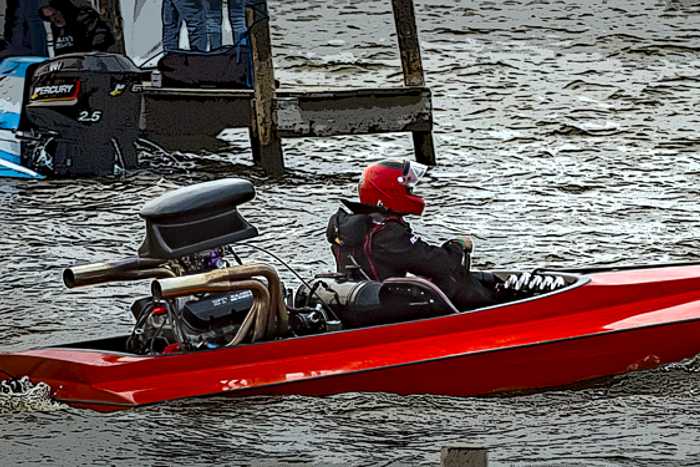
{"x":617,"y":322}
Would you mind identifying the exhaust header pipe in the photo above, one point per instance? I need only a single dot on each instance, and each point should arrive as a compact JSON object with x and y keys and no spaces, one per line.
{"x":129,"y":269}
{"x":270,"y":323}
{"x":197,"y":283}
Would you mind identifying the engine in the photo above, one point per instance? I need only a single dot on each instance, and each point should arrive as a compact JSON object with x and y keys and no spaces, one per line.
{"x":189,"y":232}
{"x":204,"y":322}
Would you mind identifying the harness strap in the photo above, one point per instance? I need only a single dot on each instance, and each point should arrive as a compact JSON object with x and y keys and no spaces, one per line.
{"x":367,"y":247}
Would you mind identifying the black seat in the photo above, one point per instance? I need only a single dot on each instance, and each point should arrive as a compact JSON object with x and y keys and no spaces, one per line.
{"x":418,"y":294}
{"x":409,"y":298}
{"x":196,"y":218}
{"x":207,"y":197}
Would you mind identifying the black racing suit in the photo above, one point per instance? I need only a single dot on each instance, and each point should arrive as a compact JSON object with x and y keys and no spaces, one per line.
{"x":84,"y":31}
{"x":384,"y":246}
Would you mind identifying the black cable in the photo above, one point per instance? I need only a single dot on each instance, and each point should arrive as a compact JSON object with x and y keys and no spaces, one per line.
{"x":235,"y":256}
{"x":155,"y":335}
{"x":181,"y":338}
{"x":311,"y":292}
{"x":303,"y":281}
{"x":140,"y":321}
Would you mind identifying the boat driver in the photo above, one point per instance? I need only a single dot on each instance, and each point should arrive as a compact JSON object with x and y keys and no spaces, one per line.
{"x":374,"y":241}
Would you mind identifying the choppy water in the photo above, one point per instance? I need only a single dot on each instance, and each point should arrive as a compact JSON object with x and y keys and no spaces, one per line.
{"x":566,"y":134}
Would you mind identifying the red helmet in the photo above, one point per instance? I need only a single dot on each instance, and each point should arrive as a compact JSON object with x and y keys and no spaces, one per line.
{"x":390,"y":184}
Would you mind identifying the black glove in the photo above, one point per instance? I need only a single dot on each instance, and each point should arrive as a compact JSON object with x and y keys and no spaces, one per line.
{"x":465,"y":242}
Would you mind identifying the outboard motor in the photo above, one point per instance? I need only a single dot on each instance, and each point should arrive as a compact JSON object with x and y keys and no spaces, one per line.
{"x":82,"y":115}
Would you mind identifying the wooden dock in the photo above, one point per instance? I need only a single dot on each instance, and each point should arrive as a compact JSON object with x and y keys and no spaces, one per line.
{"x":191,"y":118}
{"x":174,"y":116}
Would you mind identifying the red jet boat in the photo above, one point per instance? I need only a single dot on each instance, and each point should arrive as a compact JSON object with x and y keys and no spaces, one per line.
{"x":211,"y":327}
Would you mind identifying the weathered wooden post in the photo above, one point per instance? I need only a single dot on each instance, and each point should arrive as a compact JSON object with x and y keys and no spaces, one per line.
{"x":463,"y":456}
{"x":269,"y":114}
{"x":265,"y":140}
{"x":409,"y":47}
{"x":112,"y":14}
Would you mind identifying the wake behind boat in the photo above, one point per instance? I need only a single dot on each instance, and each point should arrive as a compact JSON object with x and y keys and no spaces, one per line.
{"x":210,"y":327}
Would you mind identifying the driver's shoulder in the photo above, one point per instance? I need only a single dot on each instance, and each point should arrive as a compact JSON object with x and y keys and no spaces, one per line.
{"x":393,"y":227}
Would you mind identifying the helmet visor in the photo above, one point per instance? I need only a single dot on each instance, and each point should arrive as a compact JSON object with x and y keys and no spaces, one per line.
{"x":412,"y":173}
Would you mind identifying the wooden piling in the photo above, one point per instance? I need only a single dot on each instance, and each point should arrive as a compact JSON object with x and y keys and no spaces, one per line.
{"x":111,"y":12}
{"x":412,"y":65}
{"x":463,"y":456}
{"x":270,"y":115}
{"x":265,"y":140}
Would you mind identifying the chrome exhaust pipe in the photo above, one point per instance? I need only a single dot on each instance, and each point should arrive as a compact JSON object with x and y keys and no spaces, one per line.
{"x":128,"y":269}
{"x":258,"y":315}
{"x":196,"y":283}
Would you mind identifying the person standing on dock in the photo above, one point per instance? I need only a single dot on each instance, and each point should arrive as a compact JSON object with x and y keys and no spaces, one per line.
{"x":194,"y":14}
{"x":236,"y":16}
{"x":75,"y":28}
{"x":24,"y":31}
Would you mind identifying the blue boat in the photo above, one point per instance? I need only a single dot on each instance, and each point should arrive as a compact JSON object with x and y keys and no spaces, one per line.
{"x":13,"y":72}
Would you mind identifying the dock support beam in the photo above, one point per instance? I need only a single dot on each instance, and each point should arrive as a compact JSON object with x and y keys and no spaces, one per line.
{"x":111,"y":12}
{"x":412,"y":64}
{"x":265,"y":140}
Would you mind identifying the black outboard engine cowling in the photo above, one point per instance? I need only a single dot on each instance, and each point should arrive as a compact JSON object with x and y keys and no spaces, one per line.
{"x":82,"y":115}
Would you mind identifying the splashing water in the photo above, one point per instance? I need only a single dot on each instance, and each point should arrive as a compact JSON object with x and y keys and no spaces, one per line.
{"x":20,"y":395}
{"x":690,"y":365}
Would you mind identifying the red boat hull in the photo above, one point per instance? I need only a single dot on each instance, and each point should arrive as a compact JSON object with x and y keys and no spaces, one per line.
{"x":616,"y":323}
{"x":522,"y":369}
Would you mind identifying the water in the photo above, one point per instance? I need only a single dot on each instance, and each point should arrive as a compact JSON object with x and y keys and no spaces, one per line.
{"x":566,"y":135}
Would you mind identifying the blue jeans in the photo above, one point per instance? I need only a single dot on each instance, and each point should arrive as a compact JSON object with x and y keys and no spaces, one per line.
{"x":193,"y":13}
{"x":236,"y":16}
{"x":27,"y":34}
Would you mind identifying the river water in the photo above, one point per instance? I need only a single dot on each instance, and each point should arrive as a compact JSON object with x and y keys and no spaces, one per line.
{"x":566,"y":134}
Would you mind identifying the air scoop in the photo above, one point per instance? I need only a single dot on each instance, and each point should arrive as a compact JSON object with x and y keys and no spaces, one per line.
{"x":196,"y":218}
